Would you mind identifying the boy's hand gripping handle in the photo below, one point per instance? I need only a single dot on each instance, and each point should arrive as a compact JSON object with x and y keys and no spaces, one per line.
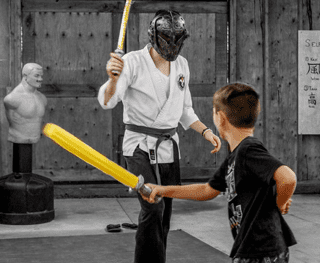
{"x":146,"y":190}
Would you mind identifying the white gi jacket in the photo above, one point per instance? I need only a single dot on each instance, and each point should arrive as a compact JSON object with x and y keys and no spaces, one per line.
{"x":136,"y":88}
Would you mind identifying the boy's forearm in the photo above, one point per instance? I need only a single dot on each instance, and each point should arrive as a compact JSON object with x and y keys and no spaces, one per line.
{"x":110,"y":90}
{"x":286,"y":184}
{"x":199,"y":192}
{"x":284,"y":193}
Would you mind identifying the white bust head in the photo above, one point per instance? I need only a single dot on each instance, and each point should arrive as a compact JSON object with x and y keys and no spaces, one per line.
{"x":32,"y":74}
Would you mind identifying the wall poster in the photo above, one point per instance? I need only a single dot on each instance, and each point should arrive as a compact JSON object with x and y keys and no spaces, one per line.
{"x":309,"y":82}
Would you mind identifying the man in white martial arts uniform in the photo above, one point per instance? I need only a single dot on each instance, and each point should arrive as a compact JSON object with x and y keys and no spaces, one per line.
{"x":153,"y":86}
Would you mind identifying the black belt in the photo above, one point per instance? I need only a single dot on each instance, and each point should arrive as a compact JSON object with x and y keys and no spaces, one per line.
{"x":162,"y":135}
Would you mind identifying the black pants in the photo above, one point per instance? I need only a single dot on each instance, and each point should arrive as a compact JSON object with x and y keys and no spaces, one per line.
{"x":154,"y":219}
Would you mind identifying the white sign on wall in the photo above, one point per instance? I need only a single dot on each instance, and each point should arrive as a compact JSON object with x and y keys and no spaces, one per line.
{"x":309,"y":82}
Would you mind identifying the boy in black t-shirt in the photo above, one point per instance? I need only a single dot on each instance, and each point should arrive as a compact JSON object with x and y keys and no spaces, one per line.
{"x":259,"y":187}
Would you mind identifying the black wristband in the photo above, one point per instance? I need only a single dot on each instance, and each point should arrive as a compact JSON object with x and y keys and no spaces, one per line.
{"x":204,"y":130}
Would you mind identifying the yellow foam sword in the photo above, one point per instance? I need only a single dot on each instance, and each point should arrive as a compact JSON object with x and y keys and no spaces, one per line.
{"x":77,"y":147}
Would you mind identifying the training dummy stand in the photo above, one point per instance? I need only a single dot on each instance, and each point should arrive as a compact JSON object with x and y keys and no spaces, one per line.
{"x":26,"y":198}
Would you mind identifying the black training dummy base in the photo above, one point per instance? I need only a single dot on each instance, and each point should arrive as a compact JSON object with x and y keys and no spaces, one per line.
{"x":26,"y":199}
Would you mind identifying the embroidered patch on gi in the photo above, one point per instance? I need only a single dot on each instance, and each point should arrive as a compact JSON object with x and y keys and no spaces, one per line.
{"x":152,"y":155}
{"x":181,"y":82}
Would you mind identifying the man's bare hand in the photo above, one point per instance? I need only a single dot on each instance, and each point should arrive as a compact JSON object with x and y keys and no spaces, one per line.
{"x":214,"y":139}
{"x":115,"y":63}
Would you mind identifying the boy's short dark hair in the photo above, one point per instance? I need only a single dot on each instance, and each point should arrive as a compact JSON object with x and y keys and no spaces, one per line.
{"x":239,"y":102}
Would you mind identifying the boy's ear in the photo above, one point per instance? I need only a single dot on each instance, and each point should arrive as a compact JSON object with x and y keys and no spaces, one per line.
{"x":222,"y":116}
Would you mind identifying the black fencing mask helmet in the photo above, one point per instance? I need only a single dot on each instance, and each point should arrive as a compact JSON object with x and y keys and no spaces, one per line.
{"x":167,"y":32}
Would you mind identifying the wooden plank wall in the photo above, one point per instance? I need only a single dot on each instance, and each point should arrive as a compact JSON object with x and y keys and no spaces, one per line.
{"x":10,"y":71}
{"x":264,"y":52}
{"x":63,"y":41}
{"x":4,"y":79}
{"x":72,"y":47}
{"x":246,"y":49}
{"x":281,"y":91}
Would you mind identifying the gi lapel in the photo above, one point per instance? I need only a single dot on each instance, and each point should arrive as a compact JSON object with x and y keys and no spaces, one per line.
{"x":152,"y":70}
{"x":168,"y":106}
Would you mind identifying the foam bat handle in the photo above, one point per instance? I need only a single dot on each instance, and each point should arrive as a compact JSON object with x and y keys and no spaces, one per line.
{"x":77,"y":147}
{"x":125,"y":16}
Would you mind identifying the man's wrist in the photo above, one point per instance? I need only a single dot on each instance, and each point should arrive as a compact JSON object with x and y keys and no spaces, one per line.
{"x":205,"y":131}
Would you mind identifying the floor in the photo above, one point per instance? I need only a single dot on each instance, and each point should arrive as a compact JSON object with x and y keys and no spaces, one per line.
{"x":206,"y":221}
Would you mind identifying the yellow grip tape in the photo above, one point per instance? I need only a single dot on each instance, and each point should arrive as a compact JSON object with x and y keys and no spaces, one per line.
{"x":75,"y":146}
{"x":124,"y":22}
